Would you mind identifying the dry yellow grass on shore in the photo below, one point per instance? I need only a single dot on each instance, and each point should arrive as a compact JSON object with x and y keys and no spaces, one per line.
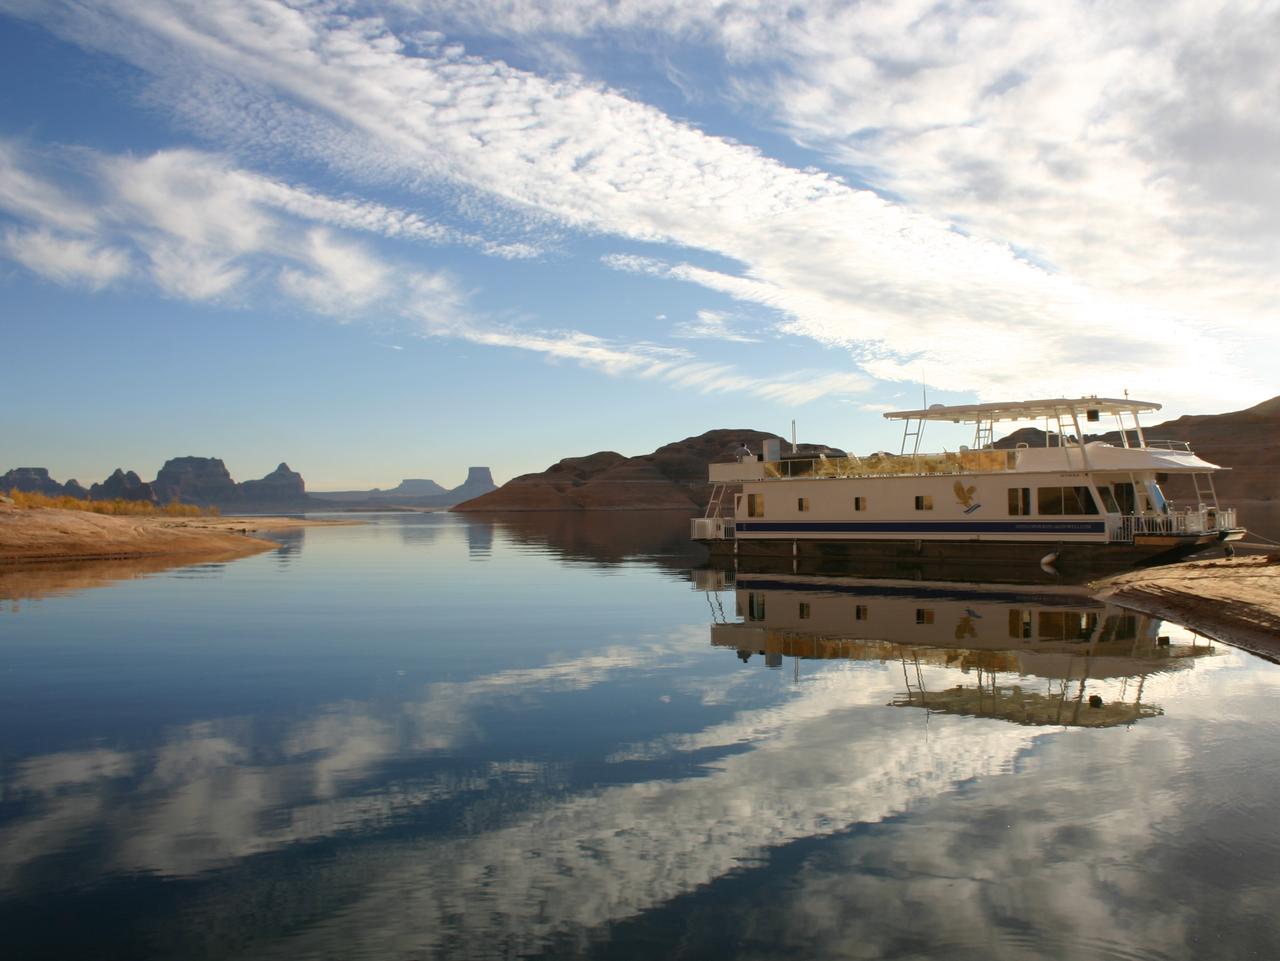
{"x":117,"y":507}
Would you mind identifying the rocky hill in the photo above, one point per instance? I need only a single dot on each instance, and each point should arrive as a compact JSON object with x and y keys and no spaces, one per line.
{"x":34,"y":480}
{"x":204,"y":481}
{"x":673,"y":477}
{"x":282,"y":484}
{"x":121,"y":485}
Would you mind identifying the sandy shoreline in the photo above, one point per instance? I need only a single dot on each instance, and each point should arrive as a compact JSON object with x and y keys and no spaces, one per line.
{"x":1235,"y":601}
{"x":48,"y":535}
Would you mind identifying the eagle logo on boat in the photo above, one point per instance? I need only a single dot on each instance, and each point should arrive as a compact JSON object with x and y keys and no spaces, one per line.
{"x":964,"y":496}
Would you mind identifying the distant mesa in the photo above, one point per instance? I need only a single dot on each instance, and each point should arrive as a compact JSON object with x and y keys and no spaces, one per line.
{"x":195,"y":480}
{"x":479,"y":481}
{"x":413,"y":492}
{"x":417,"y":487}
{"x":673,"y":477}
{"x":206,"y":482}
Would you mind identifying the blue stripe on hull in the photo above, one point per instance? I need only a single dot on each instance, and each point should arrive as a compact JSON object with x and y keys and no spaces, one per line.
{"x":922,"y":590}
{"x":922,"y":527}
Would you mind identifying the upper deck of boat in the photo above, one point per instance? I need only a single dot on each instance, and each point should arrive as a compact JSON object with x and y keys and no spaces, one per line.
{"x":1092,"y":409}
{"x":1064,"y":448}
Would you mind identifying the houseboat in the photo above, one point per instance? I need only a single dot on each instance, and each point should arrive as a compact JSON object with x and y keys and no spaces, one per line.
{"x":1065,"y":503}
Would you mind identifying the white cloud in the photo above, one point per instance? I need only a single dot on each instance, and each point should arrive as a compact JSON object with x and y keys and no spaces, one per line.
{"x":66,"y":260}
{"x":343,"y":279}
{"x":190,"y":271}
{"x":37,"y":198}
{"x":207,"y":230}
{"x":711,"y":325}
{"x":1133,"y":149}
{"x":967,"y":113}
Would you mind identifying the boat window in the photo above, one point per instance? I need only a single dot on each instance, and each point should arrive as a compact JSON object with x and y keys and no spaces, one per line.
{"x":755,"y":607}
{"x":802,"y":503}
{"x":1108,"y":500}
{"x":1078,"y":500}
{"x":1020,"y":624}
{"x":1019,"y":501}
{"x":924,"y":615}
{"x":755,"y":505}
{"x":1049,"y":500}
{"x":860,"y":612}
{"x":1122,"y":627}
{"x":859,"y":503}
{"x":1066,"y":625}
{"x":924,"y":502}
{"x":1065,"y":500}
{"x":804,"y":611}
{"x":1125,"y":497}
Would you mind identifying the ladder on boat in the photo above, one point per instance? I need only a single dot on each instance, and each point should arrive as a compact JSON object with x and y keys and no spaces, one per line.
{"x":1206,"y":496}
{"x":916,"y":689}
{"x":716,"y":504}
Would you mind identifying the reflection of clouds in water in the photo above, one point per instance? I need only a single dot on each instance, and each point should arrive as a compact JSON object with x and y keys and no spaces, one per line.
{"x":445,"y":719}
{"x":206,"y":796}
{"x":828,"y":758}
{"x":1031,"y":846}
{"x":53,"y":772}
{"x":1070,"y":857}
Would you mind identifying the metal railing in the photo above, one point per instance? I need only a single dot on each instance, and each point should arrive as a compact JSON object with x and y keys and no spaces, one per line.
{"x":1203,"y":520}
{"x":712,"y":528}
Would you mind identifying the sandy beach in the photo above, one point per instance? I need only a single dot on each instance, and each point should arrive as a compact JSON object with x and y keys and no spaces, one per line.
{"x":48,"y":535}
{"x":1232,"y":600}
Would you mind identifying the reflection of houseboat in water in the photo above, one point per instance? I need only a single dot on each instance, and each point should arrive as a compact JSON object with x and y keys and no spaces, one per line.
{"x":1029,"y":655}
{"x":1073,"y":504}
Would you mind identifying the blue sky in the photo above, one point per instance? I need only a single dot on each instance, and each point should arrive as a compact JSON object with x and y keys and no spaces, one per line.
{"x":394,"y":241}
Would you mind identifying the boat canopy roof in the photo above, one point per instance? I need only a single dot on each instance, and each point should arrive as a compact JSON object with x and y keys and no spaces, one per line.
{"x":1024,"y":409}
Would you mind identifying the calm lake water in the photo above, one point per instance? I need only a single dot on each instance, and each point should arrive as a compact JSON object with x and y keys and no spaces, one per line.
{"x":436,"y":736}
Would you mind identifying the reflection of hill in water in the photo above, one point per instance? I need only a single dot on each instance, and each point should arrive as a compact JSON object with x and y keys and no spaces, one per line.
{"x":1025,"y":655}
{"x":33,"y":581}
{"x":603,"y":537}
{"x":64,"y":577}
